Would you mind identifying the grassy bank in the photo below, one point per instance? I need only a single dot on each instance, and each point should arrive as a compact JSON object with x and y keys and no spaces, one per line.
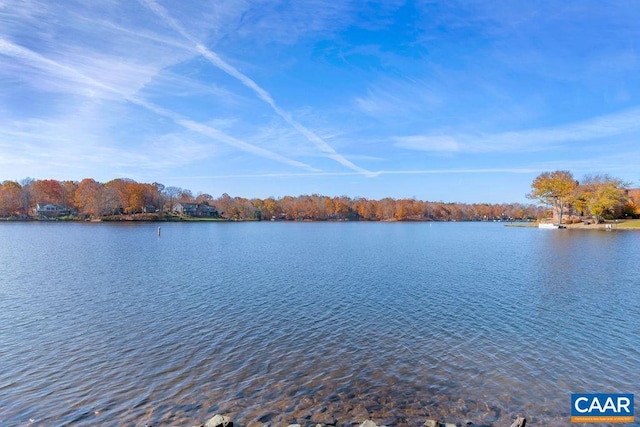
{"x":629,"y":224}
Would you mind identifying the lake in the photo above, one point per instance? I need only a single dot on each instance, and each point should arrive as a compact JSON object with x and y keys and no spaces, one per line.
{"x":274,"y":323}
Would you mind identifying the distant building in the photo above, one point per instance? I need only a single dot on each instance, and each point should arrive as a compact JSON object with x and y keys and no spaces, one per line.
{"x":201,"y":210}
{"x":51,"y":210}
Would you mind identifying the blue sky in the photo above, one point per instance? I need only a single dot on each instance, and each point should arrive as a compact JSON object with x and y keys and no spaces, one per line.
{"x":459,"y":101}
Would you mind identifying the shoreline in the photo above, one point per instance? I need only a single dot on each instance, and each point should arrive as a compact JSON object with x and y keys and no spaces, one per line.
{"x":631,"y":224}
{"x":619,"y":225}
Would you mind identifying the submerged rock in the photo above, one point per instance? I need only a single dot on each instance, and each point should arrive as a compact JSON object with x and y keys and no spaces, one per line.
{"x":323,"y":418}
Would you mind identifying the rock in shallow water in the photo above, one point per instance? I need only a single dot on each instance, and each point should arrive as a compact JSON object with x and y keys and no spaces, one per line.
{"x":369,"y":423}
{"x":219,"y":421}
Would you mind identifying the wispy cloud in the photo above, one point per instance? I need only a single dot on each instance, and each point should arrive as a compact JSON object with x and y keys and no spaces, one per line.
{"x":399,"y":99}
{"x":530,"y":140}
{"x":66,"y":78}
{"x":91,"y":87}
{"x":266,"y":22}
{"x":261,"y":93}
{"x":80,"y":141}
{"x":438,"y":143}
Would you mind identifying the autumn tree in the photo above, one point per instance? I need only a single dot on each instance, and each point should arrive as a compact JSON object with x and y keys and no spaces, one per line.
{"x":48,"y":191}
{"x":441,"y":211}
{"x":204,"y":198}
{"x":88,"y":198}
{"x":68,"y":189}
{"x":137,"y":197}
{"x":131,"y":197}
{"x":555,"y":189}
{"x":158,"y":196}
{"x":632,"y":205}
{"x":26,"y":196}
{"x":225,"y":205}
{"x":110,"y":201}
{"x":245,"y":209}
{"x":601,"y":193}
{"x":341,"y":207}
{"x":329,"y":208}
{"x":270,"y":208}
{"x":362,"y":208}
{"x":10,"y":198}
{"x":186,"y":196}
{"x":118,"y":187}
{"x":319,"y":207}
{"x":401,"y":212}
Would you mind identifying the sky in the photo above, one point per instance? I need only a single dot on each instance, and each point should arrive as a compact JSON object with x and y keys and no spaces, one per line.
{"x":455,"y":101}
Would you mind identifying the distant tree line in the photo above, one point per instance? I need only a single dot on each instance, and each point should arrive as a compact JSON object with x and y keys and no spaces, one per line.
{"x":598,"y":196}
{"x":91,"y":199}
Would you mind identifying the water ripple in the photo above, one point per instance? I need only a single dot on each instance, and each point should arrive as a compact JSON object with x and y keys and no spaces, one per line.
{"x":282,"y":323}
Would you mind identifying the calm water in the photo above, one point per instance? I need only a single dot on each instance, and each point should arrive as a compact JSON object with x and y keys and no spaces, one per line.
{"x":273,"y":323}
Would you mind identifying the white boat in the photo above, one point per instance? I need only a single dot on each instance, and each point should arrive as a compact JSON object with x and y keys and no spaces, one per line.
{"x":548,"y":225}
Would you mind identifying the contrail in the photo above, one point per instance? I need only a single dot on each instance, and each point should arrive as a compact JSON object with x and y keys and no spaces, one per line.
{"x":320,"y":143}
{"x":219,"y":135}
{"x":10,"y":49}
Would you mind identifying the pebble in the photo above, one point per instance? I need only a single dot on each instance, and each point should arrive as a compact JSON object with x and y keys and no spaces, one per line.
{"x":225,"y":421}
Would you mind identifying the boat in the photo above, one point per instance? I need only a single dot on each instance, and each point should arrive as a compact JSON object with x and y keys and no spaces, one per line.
{"x":549,"y":225}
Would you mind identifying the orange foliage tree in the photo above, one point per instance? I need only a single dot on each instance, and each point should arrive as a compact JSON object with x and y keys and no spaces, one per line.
{"x":10,"y":198}
{"x":47,"y":191}
{"x":89,"y":197}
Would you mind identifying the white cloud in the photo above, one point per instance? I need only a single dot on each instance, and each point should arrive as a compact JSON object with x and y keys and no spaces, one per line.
{"x":530,"y":140}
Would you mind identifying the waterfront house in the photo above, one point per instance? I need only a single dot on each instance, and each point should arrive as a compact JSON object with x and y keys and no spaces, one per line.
{"x":188,"y":209}
{"x":204,"y":210}
{"x":51,"y":210}
{"x":201,"y":210}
